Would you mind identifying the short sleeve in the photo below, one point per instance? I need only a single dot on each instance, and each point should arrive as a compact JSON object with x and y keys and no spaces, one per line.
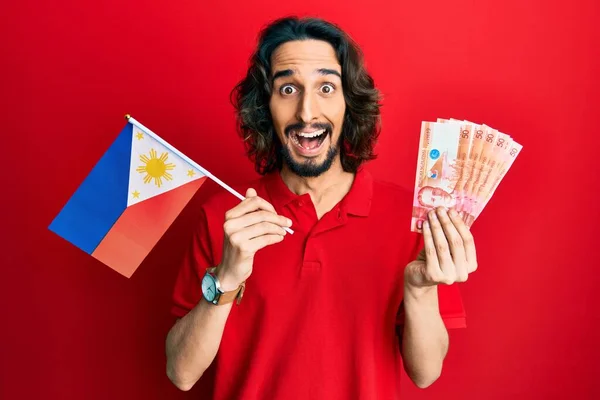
{"x":449,"y":299}
{"x":197,"y":258}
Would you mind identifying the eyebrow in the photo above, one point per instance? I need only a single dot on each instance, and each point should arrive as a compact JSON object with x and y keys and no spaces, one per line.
{"x":289,"y":72}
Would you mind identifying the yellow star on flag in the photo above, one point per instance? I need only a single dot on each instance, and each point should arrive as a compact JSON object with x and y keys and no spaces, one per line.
{"x":136,"y":194}
{"x":139,"y":135}
{"x":191,"y":173}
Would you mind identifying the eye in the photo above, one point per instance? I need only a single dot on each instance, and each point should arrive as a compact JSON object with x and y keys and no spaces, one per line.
{"x":287,"y":90}
{"x":327,"y":88}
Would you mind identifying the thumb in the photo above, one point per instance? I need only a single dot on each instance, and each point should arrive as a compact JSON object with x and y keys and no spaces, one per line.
{"x":416,"y":273}
{"x":251,"y":193}
{"x":422,"y":255}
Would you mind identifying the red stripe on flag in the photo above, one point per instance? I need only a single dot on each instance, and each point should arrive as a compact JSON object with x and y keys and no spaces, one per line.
{"x":141,"y":226}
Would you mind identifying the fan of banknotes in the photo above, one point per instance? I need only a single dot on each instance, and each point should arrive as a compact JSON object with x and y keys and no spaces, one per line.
{"x":460,"y":166}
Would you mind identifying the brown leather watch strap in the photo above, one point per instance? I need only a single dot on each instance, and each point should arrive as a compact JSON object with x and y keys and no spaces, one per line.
{"x":228,"y":297}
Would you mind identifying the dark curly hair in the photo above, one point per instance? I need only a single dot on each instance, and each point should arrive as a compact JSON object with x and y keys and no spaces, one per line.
{"x":251,"y":95}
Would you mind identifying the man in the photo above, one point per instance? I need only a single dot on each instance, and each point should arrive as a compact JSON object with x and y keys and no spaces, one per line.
{"x":334,"y":310}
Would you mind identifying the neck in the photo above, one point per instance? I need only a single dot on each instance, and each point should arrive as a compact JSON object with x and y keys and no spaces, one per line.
{"x":325,"y":190}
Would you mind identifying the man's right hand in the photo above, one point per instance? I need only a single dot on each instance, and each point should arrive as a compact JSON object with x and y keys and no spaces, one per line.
{"x":250,"y":226}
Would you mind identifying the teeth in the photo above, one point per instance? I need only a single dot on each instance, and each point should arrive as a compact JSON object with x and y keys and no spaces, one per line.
{"x":311,"y":134}
{"x":297,"y":142}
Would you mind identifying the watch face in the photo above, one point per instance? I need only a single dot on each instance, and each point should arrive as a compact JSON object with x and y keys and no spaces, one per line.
{"x":209,"y":289}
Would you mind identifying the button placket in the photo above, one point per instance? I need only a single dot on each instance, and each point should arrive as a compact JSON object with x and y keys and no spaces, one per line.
{"x":310,"y":260}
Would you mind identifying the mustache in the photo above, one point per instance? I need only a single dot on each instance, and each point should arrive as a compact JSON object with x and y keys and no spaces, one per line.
{"x":300,"y":126}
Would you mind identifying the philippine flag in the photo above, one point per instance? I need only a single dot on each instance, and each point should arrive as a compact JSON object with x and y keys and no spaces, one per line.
{"x":129,"y":199}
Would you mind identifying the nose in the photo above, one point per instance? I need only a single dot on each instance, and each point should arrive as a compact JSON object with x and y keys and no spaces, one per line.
{"x":308,"y":108}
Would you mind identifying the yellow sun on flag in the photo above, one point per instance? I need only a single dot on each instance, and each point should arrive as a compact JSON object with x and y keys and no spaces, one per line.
{"x":155,"y":168}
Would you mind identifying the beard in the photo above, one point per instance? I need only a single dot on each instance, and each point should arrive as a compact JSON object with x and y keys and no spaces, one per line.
{"x":310,"y":168}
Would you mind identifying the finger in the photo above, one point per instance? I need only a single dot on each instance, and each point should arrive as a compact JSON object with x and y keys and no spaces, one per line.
{"x":433,"y":270}
{"x":237,"y":224}
{"x":256,"y":230}
{"x":264,"y":241}
{"x":250,"y":192}
{"x":249,"y":204}
{"x":441,"y":244}
{"x":455,"y":242}
{"x":469,"y":220}
{"x":468,"y":243}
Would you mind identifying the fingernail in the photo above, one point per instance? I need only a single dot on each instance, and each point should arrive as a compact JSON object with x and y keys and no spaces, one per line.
{"x":453,"y":212}
{"x":432,"y":214}
{"x":425,"y":224}
{"x":289,"y":222}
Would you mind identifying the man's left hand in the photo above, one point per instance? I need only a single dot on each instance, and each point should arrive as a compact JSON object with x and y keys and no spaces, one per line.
{"x":448,"y":256}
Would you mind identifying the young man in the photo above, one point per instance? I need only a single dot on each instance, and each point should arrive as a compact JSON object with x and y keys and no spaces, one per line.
{"x":336,"y":309}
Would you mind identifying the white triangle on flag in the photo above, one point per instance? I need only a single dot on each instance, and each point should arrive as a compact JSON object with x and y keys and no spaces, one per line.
{"x":154,"y":169}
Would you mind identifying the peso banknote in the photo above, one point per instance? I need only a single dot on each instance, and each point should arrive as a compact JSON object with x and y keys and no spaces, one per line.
{"x":484,"y":140}
{"x":437,"y":170}
{"x":460,"y":165}
{"x":510,"y":156}
{"x":462,"y":161}
{"x":490,"y":172}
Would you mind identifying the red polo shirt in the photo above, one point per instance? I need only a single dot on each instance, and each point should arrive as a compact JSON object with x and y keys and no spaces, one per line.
{"x":319,"y":314}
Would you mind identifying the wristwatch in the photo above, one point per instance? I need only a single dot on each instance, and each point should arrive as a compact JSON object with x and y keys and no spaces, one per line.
{"x":212,"y":292}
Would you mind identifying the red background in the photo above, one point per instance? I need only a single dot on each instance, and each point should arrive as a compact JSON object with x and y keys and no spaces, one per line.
{"x":74,"y":329}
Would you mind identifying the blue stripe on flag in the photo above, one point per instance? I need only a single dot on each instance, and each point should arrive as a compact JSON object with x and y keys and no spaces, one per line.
{"x":100,"y":199}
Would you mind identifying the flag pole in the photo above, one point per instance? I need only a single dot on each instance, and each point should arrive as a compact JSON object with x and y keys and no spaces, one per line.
{"x":135,"y":122}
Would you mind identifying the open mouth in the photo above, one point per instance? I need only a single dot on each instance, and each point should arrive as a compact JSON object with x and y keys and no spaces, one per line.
{"x":309,"y":140}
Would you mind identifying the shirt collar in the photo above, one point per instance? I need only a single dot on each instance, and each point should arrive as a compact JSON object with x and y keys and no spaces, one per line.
{"x":356,"y":202}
